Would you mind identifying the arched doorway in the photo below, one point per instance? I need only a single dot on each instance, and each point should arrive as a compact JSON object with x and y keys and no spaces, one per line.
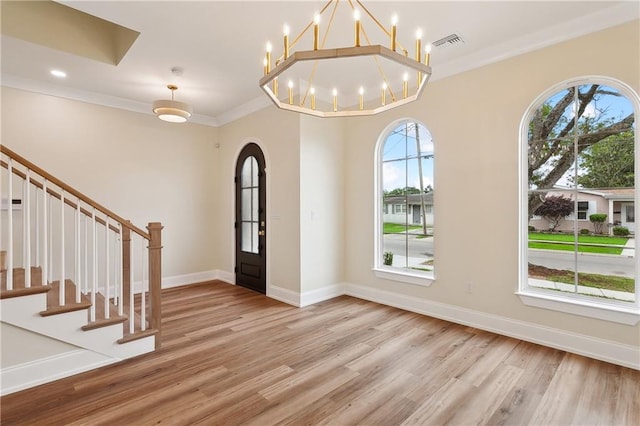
{"x":250,"y":221}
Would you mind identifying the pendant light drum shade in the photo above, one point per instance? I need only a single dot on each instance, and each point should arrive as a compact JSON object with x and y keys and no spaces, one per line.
{"x":171,"y":110}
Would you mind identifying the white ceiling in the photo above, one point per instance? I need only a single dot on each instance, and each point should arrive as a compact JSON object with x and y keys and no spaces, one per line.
{"x":220,"y":45}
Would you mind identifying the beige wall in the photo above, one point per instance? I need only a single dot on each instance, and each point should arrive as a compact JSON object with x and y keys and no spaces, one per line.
{"x":277,"y":133}
{"x":474,"y":118}
{"x":321,"y":202}
{"x":142,"y":168}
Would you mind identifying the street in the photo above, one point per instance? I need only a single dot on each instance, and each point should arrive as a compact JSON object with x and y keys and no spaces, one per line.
{"x":421,"y":249}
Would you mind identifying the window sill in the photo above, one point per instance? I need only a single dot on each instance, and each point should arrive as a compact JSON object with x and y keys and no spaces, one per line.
{"x":620,"y":313}
{"x":393,"y":274}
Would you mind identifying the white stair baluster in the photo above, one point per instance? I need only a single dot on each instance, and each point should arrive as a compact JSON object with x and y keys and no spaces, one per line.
{"x":10,"y":225}
{"x":45,"y":234}
{"x":77,"y":250}
{"x":121,"y":288}
{"x":131,"y":292}
{"x":106,"y":268}
{"x":50,"y":247}
{"x":94,"y":269}
{"x":37,"y":223}
{"x":27,"y":229}
{"x":143,"y":292}
{"x":62,"y":289}
{"x":86,"y":253}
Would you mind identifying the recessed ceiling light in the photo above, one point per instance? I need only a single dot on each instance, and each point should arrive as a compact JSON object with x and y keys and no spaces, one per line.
{"x":58,"y":73}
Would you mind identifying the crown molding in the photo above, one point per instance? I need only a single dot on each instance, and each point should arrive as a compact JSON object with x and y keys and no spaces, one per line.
{"x":243,"y":110}
{"x":47,"y":88}
{"x":598,"y":21}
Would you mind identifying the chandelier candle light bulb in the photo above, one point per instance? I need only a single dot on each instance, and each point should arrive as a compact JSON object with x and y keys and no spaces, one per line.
{"x":335,"y":100}
{"x":313,"y":98}
{"x":356,"y":17}
{"x":290,"y":92}
{"x":285,"y":30}
{"x":427,"y":54}
{"x":316,"y":30}
{"x":268,"y":57}
{"x":394,"y":31}
{"x":405,"y":85}
{"x":361,"y":92}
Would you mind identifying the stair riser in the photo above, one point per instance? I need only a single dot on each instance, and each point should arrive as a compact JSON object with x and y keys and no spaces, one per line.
{"x":19,"y":280}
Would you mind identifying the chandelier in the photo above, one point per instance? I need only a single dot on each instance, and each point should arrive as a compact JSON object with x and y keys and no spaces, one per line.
{"x":314,"y":85}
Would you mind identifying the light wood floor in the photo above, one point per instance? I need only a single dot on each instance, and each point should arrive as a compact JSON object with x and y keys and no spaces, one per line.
{"x":231,"y":356}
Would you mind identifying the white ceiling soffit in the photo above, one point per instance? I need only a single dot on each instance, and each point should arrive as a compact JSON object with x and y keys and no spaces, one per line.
{"x":134,"y":88}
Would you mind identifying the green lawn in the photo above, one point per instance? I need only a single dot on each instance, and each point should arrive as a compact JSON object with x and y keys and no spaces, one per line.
{"x":559,"y":242}
{"x":394,"y":228}
{"x":609,"y":282}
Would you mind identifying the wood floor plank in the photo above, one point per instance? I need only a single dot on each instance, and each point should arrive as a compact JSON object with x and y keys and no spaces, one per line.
{"x":231,"y":356}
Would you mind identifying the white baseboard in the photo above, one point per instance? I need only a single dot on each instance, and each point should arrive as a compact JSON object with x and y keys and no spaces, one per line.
{"x":604,"y":350}
{"x":321,"y":294}
{"x":193,"y":278}
{"x":34,"y":373}
{"x":284,"y":295}
{"x":227,"y":277}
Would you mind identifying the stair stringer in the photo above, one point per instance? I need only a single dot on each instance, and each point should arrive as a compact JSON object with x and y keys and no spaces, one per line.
{"x":25,"y":311}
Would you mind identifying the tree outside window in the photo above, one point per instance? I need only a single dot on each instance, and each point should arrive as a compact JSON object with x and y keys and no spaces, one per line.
{"x":581,"y":158}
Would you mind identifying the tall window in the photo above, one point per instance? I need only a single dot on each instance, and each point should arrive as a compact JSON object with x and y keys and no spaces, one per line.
{"x":580,"y":188}
{"x":405,"y":201}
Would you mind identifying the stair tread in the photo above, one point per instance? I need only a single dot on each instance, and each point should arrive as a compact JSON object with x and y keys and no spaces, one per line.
{"x":138,"y":335}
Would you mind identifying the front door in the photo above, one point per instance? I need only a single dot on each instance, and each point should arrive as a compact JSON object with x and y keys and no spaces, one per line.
{"x":628,"y":216}
{"x":250,"y":223}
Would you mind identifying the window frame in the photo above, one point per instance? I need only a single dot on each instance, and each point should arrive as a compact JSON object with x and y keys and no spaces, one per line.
{"x":577,"y":304}
{"x":419,"y":278}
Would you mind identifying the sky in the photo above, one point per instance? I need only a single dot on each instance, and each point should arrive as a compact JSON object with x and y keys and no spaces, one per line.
{"x":399,"y":145}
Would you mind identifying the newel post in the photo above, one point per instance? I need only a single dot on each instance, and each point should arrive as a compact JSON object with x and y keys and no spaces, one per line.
{"x":126,"y":266}
{"x":155,"y":277}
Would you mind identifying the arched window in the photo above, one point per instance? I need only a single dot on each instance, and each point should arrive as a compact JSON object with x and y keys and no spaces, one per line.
{"x":405,"y":207}
{"x":579,"y":192}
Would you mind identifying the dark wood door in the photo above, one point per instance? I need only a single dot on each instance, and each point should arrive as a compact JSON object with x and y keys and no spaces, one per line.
{"x":251,"y":218}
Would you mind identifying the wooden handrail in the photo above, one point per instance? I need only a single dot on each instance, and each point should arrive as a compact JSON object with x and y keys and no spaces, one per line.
{"x":26,"y":163}
{"x":55,"y":194}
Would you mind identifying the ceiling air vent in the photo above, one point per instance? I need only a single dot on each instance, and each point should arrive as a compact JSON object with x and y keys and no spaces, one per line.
{"x":448,"y":41}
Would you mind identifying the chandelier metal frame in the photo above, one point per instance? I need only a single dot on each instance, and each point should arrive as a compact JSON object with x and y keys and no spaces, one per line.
{"x":269,"y":81}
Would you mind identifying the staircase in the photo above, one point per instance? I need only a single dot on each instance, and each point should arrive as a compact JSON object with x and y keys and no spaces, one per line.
{"x":73,"y":275}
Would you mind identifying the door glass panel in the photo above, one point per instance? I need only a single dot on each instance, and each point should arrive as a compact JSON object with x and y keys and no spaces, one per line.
{"x":249,"y":172}
{"x":246,"y":204}
{"x":246,"y":237}
{"x":250,"y":205}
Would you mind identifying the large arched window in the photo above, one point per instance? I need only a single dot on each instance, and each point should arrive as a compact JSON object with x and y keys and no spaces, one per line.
{"x":579,"y":199}
{"x":405,"y":208}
